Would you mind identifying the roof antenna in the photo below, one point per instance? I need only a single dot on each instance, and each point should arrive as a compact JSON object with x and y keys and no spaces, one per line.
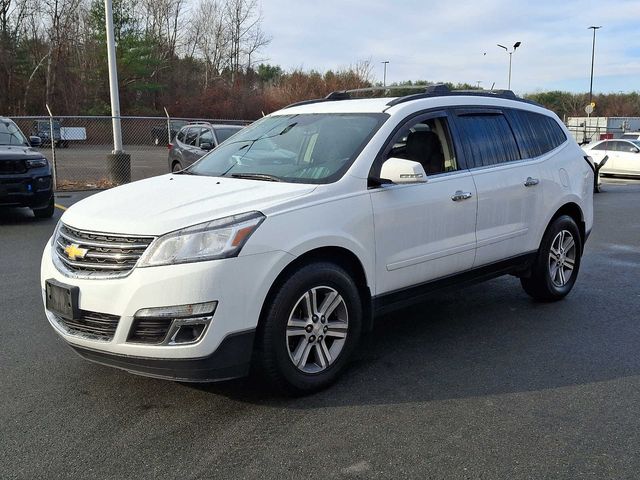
{"x":493,"y":85}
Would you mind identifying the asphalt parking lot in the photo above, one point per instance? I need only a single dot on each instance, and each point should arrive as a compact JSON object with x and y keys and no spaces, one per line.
{"x":479,"y":383}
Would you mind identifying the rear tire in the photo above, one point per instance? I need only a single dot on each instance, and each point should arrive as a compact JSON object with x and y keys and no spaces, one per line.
{"x":176,"y":167}
{"x":557,"y":263}
{"x":310,"y":329}
{"x":46,"y":212}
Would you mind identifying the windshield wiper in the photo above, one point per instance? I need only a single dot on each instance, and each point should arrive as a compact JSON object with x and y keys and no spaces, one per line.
{"x":257,"y":176}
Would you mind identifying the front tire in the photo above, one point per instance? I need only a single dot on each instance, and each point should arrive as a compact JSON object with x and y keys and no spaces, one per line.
{"x":309,"y":329}
{"x":555,"y":269}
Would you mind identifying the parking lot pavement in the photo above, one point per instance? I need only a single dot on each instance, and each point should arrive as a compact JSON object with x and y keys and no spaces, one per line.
{"x":476,"y":383}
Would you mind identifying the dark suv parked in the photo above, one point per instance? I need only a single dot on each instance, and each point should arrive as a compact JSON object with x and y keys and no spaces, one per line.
{"x":25,"y":175}
{"x":196,"y":139}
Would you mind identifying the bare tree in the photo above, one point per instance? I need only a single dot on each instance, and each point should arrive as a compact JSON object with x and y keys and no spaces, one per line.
{"x":244,"y":18}
{"x":211,"y":36}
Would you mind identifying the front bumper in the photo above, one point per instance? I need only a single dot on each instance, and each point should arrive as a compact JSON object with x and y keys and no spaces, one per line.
{"x":239,"y":285}
{"x":25,"y":190}
{"x":231,"y":359}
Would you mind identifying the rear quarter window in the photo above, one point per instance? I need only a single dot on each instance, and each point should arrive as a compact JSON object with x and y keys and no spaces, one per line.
{"x":536,"y":134}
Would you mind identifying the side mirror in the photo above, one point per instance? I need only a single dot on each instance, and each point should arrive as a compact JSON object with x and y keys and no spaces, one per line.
{"x":635,"y":150}
{"x":35,"y":141}
{"x":399,"y":170}
{"x":206,"y":146}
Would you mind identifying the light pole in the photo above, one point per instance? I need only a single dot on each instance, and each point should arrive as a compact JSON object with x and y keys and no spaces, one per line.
{"x":593,"y":51}
{"x":119,"y":162}
{"x":384,"y":78}
{"x":515,"y":45}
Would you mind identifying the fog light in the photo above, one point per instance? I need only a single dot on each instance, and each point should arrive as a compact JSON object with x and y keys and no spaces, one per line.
{"x":187,"y":330}
{"x":174,"y":325}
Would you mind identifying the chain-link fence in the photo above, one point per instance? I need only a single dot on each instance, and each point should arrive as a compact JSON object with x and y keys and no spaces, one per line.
{"x":83,"y":147}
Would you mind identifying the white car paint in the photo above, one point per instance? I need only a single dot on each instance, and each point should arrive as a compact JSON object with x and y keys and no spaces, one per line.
{"x":402,"y":235}
{"x":625,"y":161}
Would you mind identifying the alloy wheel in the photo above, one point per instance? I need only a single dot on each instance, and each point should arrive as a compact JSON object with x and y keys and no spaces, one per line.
{"x":562,"y":258}
{"x":317,"y":329}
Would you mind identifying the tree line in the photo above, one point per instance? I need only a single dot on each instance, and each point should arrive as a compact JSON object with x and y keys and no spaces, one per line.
{"x":204,"y":58}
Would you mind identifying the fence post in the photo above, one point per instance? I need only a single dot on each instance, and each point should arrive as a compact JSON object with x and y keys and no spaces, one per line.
{"x":168,"y":125}
{"x":53,"y":150}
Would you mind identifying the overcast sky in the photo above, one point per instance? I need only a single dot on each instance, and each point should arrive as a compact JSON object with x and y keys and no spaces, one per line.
{"x":447,"y":41}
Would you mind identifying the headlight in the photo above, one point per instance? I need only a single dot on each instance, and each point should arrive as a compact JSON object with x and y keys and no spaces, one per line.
{"x":221,"y":238}
{"x":37,"y":163}
{"x":54,"y":237}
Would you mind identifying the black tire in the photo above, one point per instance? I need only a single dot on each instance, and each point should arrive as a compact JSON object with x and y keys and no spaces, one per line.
{"x":543,"y":284}
{"x":46,"y":212}
{"x":176,"y":167}
{"x":273,"y":360}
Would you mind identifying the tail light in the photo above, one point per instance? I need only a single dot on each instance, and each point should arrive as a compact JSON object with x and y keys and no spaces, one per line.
{"x":169,"y":146}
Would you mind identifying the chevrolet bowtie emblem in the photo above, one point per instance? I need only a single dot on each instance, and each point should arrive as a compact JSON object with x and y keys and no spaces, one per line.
{"x":74,"y":251}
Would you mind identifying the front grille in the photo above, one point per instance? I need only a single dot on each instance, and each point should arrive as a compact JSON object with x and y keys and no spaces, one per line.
{"x":12,"y":166}
{"x":149,"y":330}
{"x":95,"y":254}
{"x":94,"y":325}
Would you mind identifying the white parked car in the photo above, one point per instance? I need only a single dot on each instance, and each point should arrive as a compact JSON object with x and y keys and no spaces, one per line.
{"x":623,"y":156}
{"x":280,"y":246}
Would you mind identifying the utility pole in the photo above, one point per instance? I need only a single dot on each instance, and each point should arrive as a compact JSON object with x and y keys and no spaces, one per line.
{"x":119,"y":162}
{"x":384,"y":78}
{"x":593,"y":51}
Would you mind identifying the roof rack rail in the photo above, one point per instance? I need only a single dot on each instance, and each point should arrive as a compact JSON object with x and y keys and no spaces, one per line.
{"x":442,"y":90}
{"x":430,"y":91}
{"x":337,"y":95}
{"x":198,"y":122}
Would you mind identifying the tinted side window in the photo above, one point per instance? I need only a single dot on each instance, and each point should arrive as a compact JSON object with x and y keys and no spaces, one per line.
{"x":224,"y":133}
{"x":206,"y":136}
{"x":181,"y":134}
{"x":191,"y":136}
{"x":620,"y":146}
{"x":486,"y":139}
{"x":535,"y":133}
{"x":602,"y":146}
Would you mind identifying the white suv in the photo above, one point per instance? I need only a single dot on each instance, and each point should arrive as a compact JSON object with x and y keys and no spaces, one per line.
{"x":279,"y":247}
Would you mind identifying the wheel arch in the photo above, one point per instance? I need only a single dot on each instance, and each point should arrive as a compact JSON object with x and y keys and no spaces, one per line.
{"x":342,"y":257}
{"x":574,"y":211}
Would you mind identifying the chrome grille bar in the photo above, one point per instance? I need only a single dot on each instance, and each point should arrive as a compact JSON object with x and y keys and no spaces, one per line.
{"x":96,"y":254}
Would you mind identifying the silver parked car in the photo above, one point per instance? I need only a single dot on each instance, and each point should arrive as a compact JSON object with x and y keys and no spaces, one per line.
{"x":196,"y":139}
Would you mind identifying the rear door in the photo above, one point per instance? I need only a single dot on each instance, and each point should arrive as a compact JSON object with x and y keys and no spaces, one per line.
{"x":600,"y":151}
{"x":190,"y":150}
{"x":508,"y":187}
{"x":424,"y":231}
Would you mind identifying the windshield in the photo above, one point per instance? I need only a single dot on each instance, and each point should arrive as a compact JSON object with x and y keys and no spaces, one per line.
{"x":10,"y":134}
{"x":307,"y":148}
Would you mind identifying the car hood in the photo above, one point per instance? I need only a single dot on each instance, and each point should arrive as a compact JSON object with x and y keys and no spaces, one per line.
{"x":18,"y":152}
{"x":162,"y":204}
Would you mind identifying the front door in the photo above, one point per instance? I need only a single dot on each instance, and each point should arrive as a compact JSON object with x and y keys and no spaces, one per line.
{"x":424,"y":231}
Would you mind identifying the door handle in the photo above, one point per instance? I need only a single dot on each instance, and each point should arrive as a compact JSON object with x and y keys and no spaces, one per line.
{"x":460,"y":195}
{"x":530,"y":182}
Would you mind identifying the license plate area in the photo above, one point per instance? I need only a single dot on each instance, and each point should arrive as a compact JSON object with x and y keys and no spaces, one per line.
{"x":62,"y":299}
